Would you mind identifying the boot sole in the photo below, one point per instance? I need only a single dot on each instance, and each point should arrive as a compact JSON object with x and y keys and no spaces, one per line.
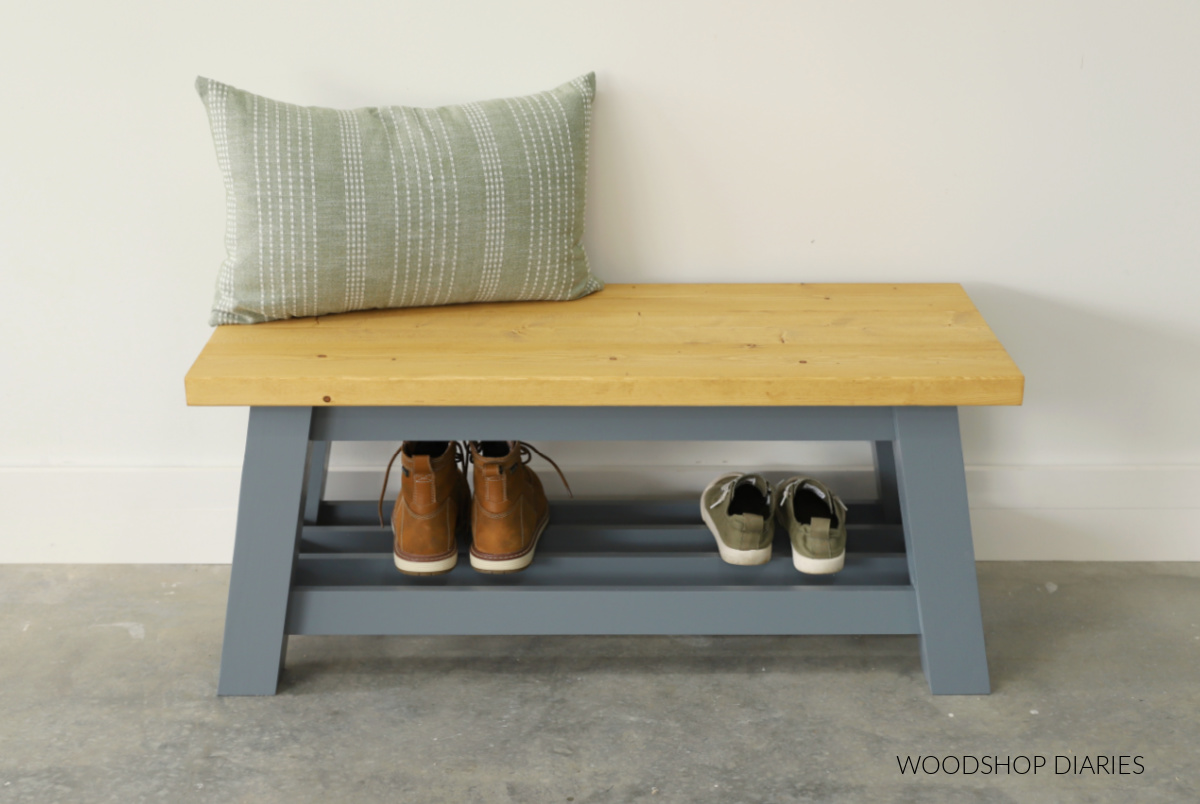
{"x":741,"y":558}
{"x":504,"y":566}
{"x":438,"y":567}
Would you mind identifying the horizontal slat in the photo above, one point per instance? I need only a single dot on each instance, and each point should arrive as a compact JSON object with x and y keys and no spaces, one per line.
{"x":524,"y":610}
{"x":598,"y":570}
{"x":566,"y":539}
{"x":604,"y":423}
{"x":598,"y":511}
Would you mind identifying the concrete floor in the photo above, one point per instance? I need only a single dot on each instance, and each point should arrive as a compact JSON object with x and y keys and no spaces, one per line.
{"x":108,"y":678}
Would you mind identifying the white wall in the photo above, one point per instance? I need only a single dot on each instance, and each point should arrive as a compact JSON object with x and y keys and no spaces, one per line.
{"x":1043,"y":154}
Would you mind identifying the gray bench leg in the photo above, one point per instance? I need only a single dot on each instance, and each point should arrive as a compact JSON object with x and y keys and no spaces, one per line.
{"x":941,"y":557}
{"x":274,"y":475}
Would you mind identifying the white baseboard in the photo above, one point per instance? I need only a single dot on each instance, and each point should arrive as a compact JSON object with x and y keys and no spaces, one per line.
{"x":187,"y":515}
{"x":118,"y":516}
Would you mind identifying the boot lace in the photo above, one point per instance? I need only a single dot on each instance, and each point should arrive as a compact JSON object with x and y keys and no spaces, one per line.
{"x":527,"y":456}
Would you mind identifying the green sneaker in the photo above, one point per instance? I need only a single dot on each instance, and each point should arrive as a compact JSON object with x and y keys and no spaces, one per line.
{"x":815,"y":519}
{"x":739,"y":511}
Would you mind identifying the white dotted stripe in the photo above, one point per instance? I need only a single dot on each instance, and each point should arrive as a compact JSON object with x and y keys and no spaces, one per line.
{"x":407,"y":210}
{"x":279,"y":261}
{"x":495,"y":203}
{"x":553,"y":187}
{"x":231,"y":226}
{"x":535,"y":196}
{"x":275,"y":199}
{"x":262,"y":225}
{"x":360,"y":177}
{"x":562,"y":160}
{"x":302,"y":302}
{"x":292,"y":308}
{"x":448,"y":285}
{"x":569,"y":235}
{"x":541,"y":150}
{"x":347,"y":192}
{"x":218,"y":102}
{"x":439,"y":159}
{"x":541,"y":153}
{"x":268,"y":212}
{"x":415,"y":268}
{"x":355,"y":209}
{"x":433,"y":218}
{"x":312,"y":207}
{"x":493,"y":193}
{"x":586,"y":94}
{"x":276,"y":195}
{"x":395,"y":209}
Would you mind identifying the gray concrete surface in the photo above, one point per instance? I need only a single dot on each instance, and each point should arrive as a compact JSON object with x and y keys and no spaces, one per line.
{"x":108,"y":678}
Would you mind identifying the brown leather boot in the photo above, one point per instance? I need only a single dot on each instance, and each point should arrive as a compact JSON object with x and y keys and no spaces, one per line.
{"x":430,"y":508}
{"x":510,"y":510}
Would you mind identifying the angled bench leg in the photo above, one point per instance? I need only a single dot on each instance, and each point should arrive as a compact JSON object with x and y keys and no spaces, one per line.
{"x":941,"y":557}
{"x":274,"y":476}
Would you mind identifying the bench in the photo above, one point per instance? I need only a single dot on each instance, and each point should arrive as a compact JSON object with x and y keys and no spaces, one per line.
{"x":886,"y":364}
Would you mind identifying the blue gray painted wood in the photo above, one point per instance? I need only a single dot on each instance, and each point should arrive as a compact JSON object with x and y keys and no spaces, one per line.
{"x":264,"y":551}
{"x":526,"y":610}
{"x":941,"y":556}
{"x":303,"y":566}
{"x":604,"y":423}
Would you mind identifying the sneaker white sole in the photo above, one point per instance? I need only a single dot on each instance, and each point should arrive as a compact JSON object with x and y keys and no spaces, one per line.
{"x":499,"y":566}
{"x":425,"y":567}
{"x":742,"y":558}
{"x":817,"y":566}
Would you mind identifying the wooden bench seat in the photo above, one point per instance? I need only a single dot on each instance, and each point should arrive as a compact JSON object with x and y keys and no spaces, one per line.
{"x":693,"y":345}
{"x":887,"y":364}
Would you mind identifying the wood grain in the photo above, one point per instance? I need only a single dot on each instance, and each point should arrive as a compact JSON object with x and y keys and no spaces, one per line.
{"x":798,"y":344}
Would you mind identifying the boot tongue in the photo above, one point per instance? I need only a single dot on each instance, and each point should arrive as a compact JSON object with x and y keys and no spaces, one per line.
{"x":490,"y":451}
{"x":496,"y":456}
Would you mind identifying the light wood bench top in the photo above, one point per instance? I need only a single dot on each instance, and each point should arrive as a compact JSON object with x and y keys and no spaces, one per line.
{"x":918,"y":344}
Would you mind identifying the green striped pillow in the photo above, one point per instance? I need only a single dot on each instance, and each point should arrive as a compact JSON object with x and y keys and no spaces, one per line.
{"x":330,"y":211}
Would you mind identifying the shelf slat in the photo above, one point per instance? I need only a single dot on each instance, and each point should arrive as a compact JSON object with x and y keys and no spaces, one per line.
{"x":613,"y":512}
{"x":571,"y":539}
{"x":591,"y":569}
{"x":522,"y":610}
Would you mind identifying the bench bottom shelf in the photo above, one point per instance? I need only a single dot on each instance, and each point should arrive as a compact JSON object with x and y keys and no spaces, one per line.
{"x":634,"y":568}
